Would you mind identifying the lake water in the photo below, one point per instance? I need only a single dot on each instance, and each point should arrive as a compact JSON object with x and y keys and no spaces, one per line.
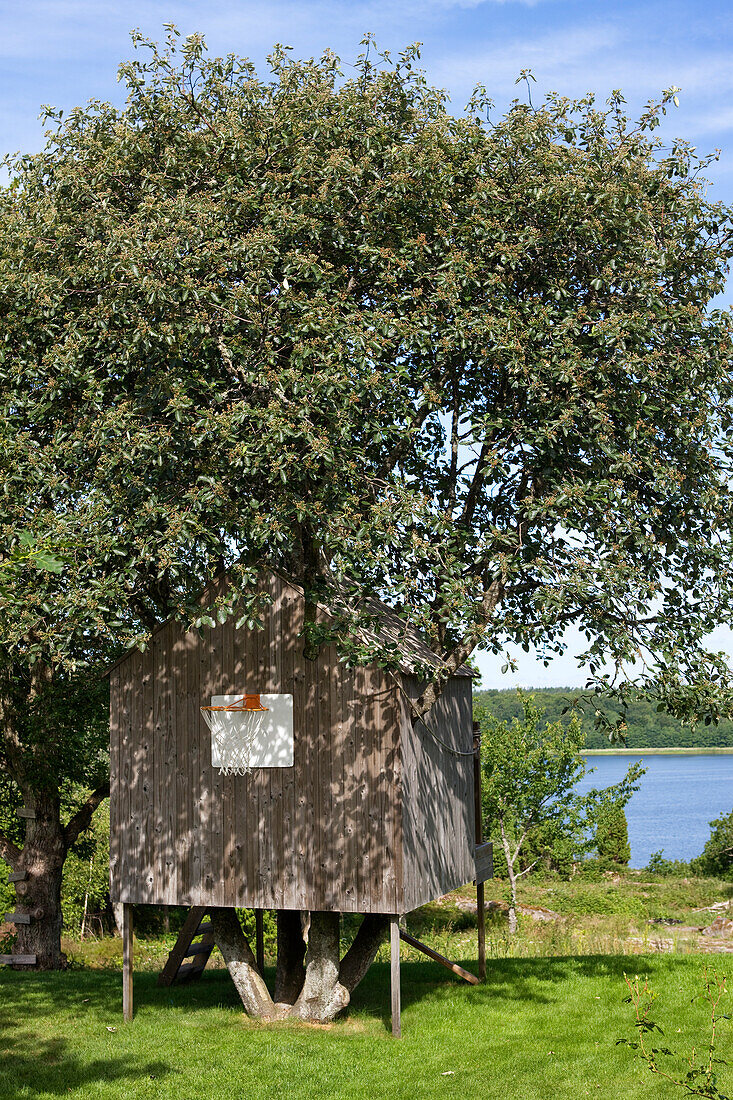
{"x":678,"y":798}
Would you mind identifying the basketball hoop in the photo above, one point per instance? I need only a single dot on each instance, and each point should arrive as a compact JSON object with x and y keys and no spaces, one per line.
{"x":234,"y":729}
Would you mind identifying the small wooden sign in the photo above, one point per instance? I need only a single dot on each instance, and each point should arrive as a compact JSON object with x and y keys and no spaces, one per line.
{"x":18,"y":960}
{"x":484,"y":862}
{"x":27,"y":813}
{"x":17,"y":876}
{"x":17,"y":918}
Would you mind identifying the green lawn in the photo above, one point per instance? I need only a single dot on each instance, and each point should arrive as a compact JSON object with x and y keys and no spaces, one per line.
{"x":540,"y":1028}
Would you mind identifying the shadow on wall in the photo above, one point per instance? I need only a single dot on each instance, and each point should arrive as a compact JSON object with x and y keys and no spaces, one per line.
{"x":320,"y":834}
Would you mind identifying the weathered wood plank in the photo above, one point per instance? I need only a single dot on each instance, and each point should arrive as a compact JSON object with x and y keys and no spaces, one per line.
{"x":195,"y":949}
{"x":290,"y":896}
{"x":479,"y":816}
{"x":17,"y":876}
{"x":26,"y":813}
{"x":129,"y":872}
{"x":437,"y":957}
{"x":394,"y":952}
{"x":147,"y":720}
{"x":187,"y":740}
{"x":214,"y":868}
{"x":349,"y":873}
{"x":170,"y":758}
{"x":115,"y":832}
{"x":191,"y":928}
{"x":18,"y":960}
{"x":160,"y":673}
{"x":268,"y":840}
{"x":18,"y":918}
{"x":228,"y":800}
{"x":127,"y":962}
{"x":484,"y":859}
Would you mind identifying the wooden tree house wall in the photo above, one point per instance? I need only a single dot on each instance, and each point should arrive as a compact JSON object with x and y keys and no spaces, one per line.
{"x":375,"y":816}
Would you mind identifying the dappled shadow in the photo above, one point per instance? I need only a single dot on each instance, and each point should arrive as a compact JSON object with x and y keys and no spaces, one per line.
{"x":34,"y":1064}
{"x":42,"y":1067}
{"x":541,"y":981}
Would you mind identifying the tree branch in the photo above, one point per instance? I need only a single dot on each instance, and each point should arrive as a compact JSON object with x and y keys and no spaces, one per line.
{"x":491,"y":598}
{"x":360,"y":956}
{"x":83,"y":816}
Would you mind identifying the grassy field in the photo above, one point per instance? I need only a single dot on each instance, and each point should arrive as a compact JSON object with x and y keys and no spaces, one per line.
{"x":544,"y":1025}
{"x":539,"y":1028}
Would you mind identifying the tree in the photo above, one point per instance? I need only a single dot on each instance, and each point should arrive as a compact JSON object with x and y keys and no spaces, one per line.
{"x":320,"y":323}
{"x":716,"y":857}
{"x":530,"y":772}
{"x":612,"y":837}
{"x":54,"y":762}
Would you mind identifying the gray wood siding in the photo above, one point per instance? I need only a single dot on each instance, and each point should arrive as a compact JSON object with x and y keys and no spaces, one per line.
{"x":438,"y":814}
{"x":324,"y":834}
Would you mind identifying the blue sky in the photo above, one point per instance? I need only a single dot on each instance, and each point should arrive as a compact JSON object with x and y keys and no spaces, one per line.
{"x":64,"y":52}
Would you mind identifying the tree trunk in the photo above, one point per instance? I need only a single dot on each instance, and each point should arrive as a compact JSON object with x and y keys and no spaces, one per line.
{"x":512,"y":878}
{"x":318,"y":992}
{"x":241,"y":964}
{"x":322,"y":996}
{"x":39,"y":894}
{"x":290,"y":973}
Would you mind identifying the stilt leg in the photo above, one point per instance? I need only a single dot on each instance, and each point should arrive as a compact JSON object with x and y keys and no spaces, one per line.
{"x":394,"y":947}
{"x":481,"y":918}
{"x":260,"y":940}
{"x":127,"y":962}
{"x":479,"y":836}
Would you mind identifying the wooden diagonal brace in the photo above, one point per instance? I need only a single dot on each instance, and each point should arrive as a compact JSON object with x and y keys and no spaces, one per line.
{"x":454,"y":967}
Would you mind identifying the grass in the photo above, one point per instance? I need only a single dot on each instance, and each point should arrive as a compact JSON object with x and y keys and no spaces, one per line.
{"x":537,"y":1028}
{"x":609,"y":916}
{"x":544,"y":1025}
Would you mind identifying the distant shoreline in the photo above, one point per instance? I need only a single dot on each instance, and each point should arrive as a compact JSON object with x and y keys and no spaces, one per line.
{"x":712,"y":751}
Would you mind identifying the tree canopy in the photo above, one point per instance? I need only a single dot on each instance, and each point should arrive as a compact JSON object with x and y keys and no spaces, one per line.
{"x":320,"y":322}
{"x":645,"y":726}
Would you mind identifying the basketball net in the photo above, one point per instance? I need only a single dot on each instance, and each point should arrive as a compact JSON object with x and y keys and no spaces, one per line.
{"x":234,"y":730}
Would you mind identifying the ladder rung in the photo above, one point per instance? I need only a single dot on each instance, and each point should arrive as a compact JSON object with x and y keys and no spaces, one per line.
{"x":190,"y":970}
{"x":199,"y":949}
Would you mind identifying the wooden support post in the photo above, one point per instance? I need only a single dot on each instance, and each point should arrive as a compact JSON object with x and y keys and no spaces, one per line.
{"x":394,"y":951}
{"x":260,"y":940}
{"x":480,"y":900}
{"x":127,"y":962}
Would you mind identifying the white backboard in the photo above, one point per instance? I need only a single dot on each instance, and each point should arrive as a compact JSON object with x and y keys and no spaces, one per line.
{"x":273,"y":745}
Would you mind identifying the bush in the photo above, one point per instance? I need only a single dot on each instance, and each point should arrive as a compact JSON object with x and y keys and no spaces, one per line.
{"x":612,"y":837}
{"x":666,"y":868}
{"x":716,"y":859}
{"x":7,"y":893}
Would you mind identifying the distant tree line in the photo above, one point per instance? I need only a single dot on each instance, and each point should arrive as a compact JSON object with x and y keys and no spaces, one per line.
{"x":647,"y":727}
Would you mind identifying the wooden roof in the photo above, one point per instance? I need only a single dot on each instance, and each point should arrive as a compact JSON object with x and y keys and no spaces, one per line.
{"x":411,"y":647}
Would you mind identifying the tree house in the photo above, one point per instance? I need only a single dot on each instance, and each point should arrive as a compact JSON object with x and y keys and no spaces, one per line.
{"x":355,"y":810}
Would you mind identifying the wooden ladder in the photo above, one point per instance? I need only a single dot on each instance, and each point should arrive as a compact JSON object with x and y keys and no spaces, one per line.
{"x":176,"y":968}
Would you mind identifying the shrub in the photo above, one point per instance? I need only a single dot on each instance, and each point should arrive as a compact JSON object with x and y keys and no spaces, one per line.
{"x":716,"y":858}
{"x":612,"y":836}
{"x":666,"y":868}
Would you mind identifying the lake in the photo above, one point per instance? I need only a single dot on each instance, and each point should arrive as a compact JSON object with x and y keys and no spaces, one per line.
{"x":679,"y":796}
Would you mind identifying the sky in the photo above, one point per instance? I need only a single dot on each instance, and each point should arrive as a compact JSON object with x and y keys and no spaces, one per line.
{"x":65,"y":52}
